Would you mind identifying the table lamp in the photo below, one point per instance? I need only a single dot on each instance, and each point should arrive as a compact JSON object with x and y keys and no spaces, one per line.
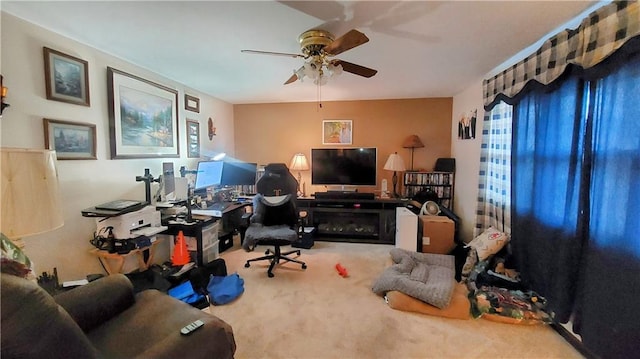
{"x":299,"y":163}
{"x":412,"y":142}
{"x":396,"y":164}
{"x":30,"y":193}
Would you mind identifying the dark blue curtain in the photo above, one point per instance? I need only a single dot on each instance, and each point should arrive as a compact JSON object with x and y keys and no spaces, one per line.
{"x":546,"y":172}
{"x":606,"y":314}
{"x":575,"y":201}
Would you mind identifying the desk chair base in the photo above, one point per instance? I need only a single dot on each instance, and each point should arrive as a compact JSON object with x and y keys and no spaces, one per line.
{"x":274,"y":257}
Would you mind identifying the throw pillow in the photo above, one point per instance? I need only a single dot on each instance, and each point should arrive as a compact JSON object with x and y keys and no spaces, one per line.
{"x":488,"y":243}
{"x":14,"y":261}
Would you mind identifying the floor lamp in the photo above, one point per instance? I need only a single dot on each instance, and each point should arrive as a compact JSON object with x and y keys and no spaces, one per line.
{"x":299,"y":163}
{"x":30,"y":194}
{"x":396,"y":164}
{"x":412,"y":142}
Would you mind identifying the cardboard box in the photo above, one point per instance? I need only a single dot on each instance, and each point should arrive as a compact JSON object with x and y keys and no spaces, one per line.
{"x":437,"y":234}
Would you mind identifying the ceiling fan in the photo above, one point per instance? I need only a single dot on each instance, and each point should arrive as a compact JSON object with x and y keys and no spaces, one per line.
{"x":318,"y":48}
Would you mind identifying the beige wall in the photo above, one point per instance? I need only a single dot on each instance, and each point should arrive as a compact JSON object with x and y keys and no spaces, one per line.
{"x":85,"y":183}
{"x":267,"y":133}
{"x":467,"y":154}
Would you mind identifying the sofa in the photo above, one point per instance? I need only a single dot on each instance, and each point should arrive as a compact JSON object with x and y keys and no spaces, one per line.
{"x":105,"y":319}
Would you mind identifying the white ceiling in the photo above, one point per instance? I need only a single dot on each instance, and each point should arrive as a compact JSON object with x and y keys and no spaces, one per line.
{"x":420,"y":48}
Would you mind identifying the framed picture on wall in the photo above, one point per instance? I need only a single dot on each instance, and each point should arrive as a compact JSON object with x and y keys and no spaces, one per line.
{"x":66,"y":77}
{"x":193,"y":139}
{"x":70,"y":140}
{"x":143,"y":117}
{"x":191,"y":103}
{"x":467,"y":125}
{"x":337,"y":132}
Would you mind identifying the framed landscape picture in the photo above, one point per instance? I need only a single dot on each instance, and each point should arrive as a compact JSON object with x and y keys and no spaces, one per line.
{"x":193,"y":139}
{"x":337,"y":132}
{"x":70,"y":140}
{"x":143,"y":117}
{"x":66,"y":77}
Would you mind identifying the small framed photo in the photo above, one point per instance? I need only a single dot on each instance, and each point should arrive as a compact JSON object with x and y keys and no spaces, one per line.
{"x":337,"y":132}
{"x":191,"y":103}
{"x":70,"y":140}
{"x":66,"y":78}
{"x":193,"y":139}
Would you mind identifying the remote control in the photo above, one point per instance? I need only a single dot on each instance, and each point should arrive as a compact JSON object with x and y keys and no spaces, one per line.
{"x":190,"y":328}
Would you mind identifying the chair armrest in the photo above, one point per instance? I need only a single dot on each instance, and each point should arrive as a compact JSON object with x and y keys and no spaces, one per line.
{"x":98,"y":301}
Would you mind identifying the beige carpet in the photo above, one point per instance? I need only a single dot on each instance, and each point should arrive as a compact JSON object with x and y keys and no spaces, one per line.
{"x":315,"y":313}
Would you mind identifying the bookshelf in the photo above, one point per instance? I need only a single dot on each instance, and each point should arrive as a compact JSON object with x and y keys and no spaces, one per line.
{"x":441,"y":183}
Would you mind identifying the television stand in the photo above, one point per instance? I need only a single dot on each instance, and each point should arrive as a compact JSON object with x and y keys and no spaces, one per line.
{"x":344,"y":195}
{"x":352,"y":220}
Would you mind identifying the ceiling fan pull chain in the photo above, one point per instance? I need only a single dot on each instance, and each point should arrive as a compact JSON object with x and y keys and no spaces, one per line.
{"x":319,"y":95}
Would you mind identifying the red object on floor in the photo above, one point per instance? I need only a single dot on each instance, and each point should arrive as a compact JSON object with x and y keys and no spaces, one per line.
{"x":342,"y":270}
{"x":180,"y":252}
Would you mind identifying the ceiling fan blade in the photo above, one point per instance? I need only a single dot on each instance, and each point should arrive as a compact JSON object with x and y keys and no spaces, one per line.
{"x":271,"y":53}
{"x":355,"y":69}
{"x":295,"y":76}
{"x":292,"y":79}
{"x":347,"y":41}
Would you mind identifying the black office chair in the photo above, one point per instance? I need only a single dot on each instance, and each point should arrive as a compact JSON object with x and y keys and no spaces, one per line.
{"x":275,"y":220}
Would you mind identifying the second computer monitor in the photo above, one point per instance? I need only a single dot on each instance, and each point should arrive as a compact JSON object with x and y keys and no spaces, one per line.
{"x":239,"y":174}
{"x":209,"y":174}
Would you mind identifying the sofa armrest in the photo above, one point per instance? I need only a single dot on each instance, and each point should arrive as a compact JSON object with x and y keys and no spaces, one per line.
{"x":98,"y":301}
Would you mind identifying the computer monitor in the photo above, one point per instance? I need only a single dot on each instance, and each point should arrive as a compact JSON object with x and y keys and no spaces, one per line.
{"x":209,"y":174}
{"x":239,"y":174}
{"x":168,"y":182}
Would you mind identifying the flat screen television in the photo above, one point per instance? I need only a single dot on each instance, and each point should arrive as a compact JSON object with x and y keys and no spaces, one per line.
{"x":344,"y":166}
{"x":239,"y":174}
{"x":209,"y":174}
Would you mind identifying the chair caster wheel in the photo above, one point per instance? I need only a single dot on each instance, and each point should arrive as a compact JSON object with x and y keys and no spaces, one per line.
{"x":270,"y":275}
{"x":266,"y":252}
{"x":304,"y":266}
{"x":247,"y":265}
{"x":298,"y":252}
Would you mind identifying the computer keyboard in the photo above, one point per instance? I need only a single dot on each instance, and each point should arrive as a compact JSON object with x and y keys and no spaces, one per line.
{"x":218,"y":206}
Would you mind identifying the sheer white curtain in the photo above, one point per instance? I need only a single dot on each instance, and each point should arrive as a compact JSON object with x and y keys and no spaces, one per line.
{"x":494,"y":187}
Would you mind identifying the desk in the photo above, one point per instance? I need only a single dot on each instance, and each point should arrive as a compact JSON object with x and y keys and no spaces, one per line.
{"x":232,"y":221}
{"x":104,"y":257}
{"x":204,"y":230}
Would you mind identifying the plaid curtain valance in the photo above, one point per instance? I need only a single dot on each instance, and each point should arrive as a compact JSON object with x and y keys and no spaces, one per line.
{"x":598,"y":36}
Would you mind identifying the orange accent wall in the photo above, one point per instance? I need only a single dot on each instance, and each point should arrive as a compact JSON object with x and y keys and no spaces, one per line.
{"x":274,"y":132}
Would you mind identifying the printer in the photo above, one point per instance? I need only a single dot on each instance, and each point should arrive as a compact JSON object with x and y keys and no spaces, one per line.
{"x":145,"y":221}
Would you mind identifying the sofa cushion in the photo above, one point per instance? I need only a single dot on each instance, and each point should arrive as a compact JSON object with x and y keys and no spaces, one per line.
{"x":130,"y":335}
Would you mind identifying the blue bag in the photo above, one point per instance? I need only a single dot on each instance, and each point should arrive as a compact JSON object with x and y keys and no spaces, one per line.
{"x":223,"y":290}
{"x":185,"y":293}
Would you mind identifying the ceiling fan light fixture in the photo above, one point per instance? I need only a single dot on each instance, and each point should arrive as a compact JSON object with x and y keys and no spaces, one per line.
{"x":334,"y":70}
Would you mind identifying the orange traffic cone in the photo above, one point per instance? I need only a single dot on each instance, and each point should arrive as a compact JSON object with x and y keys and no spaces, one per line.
{"x":180,"y":252}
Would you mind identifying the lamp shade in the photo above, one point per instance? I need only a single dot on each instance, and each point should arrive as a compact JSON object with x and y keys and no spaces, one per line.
{"x":394,"y":163}
{"x":412,"y":141}
{"x":30,"y":193}
{"x":299,"y":162}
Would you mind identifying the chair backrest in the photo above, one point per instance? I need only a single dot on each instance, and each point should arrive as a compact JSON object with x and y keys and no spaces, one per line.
{"x":277,"y":181}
